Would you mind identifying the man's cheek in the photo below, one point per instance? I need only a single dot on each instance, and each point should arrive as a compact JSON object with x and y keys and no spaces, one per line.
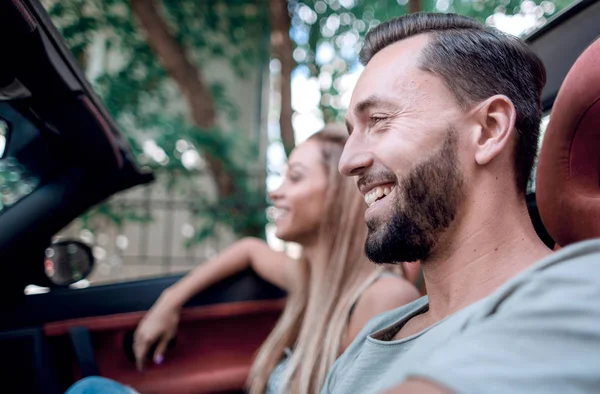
{"x":398,"y":158}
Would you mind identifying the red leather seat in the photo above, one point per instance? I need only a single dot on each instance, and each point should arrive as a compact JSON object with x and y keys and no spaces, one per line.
{"x":568,"y":173}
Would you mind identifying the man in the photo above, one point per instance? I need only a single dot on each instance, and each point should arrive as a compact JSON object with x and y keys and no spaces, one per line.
{"x":444,"y":125}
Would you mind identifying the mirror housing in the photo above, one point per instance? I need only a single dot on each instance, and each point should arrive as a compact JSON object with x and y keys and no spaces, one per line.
{"x":67,"y":262}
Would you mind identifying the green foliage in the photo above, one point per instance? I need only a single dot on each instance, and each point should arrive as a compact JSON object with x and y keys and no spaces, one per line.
{"x":144,"y":101}
{"x":342,"y":24}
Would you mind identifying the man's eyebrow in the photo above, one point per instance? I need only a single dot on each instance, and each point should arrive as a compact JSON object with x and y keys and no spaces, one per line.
{"x":373,"y":101}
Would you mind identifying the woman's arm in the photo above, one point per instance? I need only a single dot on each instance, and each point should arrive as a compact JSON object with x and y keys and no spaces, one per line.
{"x":248,"y":252}
{"x":161,"y":321}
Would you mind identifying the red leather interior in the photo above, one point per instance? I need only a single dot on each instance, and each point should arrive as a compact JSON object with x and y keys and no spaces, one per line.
{"x":568,"y":174}
{"x":214,"y":348}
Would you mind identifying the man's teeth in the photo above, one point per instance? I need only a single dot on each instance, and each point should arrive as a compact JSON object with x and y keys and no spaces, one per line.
{"x":377,"y":193}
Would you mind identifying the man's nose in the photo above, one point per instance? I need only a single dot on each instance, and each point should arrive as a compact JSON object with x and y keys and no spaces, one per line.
{"x":355,"y":157}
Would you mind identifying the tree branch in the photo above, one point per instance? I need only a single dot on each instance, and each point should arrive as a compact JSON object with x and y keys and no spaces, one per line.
{"x":283,"y":49}
{"x":414,"y":6}
{"x":188,"y":78}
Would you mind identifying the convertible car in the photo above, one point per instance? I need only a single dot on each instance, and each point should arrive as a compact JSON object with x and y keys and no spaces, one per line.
{"x":61,"y":153}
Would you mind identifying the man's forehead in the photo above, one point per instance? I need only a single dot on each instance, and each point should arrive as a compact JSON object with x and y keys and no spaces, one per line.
{"x":406,"y":51}
{"x":391,"y":71}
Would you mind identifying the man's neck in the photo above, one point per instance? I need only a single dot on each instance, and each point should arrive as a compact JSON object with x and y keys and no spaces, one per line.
{"x":491,"y":243}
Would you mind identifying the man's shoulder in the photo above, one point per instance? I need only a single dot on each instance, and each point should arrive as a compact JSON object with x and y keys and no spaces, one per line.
{"x":557,"y":275}
{"x":536,"y":333}
{"x":577,"y":259}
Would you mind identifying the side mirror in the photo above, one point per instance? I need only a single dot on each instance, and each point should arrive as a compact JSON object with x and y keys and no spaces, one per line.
{"x":68,"y":262}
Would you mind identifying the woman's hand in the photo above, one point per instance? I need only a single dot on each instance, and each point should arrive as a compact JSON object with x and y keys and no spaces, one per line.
{"x":158,"y":325}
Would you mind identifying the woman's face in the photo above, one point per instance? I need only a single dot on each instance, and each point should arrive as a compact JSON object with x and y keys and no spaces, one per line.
{"x":300,"y":200}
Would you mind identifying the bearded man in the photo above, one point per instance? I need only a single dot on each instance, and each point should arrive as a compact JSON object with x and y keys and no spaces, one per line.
{"x":444,"y":126}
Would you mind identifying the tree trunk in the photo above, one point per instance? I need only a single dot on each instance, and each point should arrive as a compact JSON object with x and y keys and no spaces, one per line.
{"x":188,"y":78}
{"x":414,"y":6}
{"x":283,"y":49}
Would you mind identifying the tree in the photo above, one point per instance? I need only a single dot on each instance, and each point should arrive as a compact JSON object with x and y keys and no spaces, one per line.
{"x":188,"y":78}
{"x":166,"y":44}
{"x":328,"y":34}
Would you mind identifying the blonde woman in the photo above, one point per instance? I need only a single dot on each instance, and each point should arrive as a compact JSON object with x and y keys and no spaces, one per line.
{"x":333,"y":290}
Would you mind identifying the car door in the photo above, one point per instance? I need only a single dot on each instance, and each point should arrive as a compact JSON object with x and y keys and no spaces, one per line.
{"x":60,"y":143}
{"x":89,"y":332}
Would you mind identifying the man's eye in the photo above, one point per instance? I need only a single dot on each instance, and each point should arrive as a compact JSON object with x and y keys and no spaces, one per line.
{"x":376,"y":119}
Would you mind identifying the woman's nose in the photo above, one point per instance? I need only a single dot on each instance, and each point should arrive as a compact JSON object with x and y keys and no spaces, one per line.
{"x":275,"y":194}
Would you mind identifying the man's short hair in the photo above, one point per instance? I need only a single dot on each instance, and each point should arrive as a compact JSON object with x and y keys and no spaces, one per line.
{"x":476,"y":62}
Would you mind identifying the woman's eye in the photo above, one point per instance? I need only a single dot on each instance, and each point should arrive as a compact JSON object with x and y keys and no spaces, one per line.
{"x":295,"y":177}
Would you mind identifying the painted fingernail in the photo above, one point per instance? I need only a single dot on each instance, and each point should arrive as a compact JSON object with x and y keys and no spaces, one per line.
{"x":158,"y":360}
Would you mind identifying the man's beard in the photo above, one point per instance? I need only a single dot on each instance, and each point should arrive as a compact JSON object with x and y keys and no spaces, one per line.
{"x":428,"y":200}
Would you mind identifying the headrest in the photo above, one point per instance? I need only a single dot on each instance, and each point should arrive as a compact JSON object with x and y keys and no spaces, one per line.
{"x":568,"y":173}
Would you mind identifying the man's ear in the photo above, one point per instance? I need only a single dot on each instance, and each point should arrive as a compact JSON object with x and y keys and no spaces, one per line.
{"x":496,"y":119}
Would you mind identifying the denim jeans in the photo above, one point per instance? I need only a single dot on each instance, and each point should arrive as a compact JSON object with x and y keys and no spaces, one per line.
{"x":97,"y":385}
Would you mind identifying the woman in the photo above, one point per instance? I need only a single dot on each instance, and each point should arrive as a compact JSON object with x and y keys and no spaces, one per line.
{"x":333,"y":290}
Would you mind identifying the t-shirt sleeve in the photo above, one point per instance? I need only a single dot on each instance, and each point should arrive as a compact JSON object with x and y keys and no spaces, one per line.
{"x":543,"y":337}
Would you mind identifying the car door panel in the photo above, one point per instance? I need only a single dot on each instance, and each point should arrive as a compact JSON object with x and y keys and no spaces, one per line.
{"x":213,"y":350}
{"x":37,"y":310}
{"x":220,"y":331}
{"x":25,"y":362}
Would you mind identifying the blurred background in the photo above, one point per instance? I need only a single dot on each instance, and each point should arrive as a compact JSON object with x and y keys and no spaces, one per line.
{"x":213,"y":95}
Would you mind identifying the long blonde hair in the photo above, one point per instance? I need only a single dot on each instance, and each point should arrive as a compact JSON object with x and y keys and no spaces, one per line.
{"x":315,"y":318}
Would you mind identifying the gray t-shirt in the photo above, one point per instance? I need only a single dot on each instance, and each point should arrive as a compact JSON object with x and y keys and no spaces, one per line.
{"x":275,"y":384}
{"x":538,"y":333}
